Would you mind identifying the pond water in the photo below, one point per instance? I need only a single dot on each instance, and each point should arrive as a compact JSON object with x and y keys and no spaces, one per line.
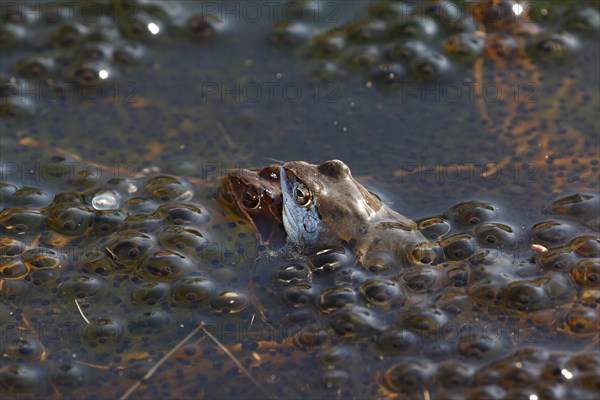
{"x":135,"y":90}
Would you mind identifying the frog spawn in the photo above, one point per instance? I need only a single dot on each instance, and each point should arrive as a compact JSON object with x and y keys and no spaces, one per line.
{"x":74,"y":46}
{"x":460,"y":309}
{"x":433,"y":39}
{"x":123,"y":265}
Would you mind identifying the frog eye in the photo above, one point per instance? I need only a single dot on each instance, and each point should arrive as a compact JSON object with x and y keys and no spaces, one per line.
{"x":251,"y":198}
{"x":302,"y":195}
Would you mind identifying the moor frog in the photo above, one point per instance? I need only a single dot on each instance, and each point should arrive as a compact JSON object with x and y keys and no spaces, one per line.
{"x":324,"y":205}
{"x":257,"y":195}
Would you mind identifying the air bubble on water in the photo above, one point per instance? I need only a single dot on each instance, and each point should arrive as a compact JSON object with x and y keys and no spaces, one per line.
{"x":105,"y":201}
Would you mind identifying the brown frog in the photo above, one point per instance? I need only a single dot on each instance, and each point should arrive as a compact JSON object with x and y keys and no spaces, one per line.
{"x":323,"y":204}
{"x":257,"y":195}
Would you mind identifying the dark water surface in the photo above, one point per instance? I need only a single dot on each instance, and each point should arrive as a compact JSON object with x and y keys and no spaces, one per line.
{"x":194,"y":105}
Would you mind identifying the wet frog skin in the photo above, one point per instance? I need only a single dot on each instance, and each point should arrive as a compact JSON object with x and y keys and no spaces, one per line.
{"x":324,"y":205}
{"x":257,"y":195}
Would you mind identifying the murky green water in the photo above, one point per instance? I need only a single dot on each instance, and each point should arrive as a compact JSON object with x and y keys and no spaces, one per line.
{"x":197,"y":107}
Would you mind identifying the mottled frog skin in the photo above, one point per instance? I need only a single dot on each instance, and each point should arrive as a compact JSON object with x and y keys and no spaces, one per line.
{"x":324,"y":205}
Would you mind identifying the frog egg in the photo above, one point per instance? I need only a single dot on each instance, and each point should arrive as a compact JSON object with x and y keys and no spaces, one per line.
{"x":290,"y":34}
{"x":526,"y":296}
{"x":475,"y":346}
{"x":335,"y":356}
{"x":103,"y":330}
{"x":354,"y":320}
{"x":165,"y":265}
{"x":11,"y":247}
{"x":12,"y":268}
{"x":90,"y":74}
{"x":587,"y":272}
{"x":458,"y":277}
{"x":443,"y":11}
{"x":415,"y":27}
{"x":488,"y":264}
{"x":579,"y":205}
{"x":140,"y":27}
{"x":67,"y":375}
{"x":381,"y":292}
{"x":411,"y":376}
{"x":455,"y":374}
{"x":151,"y":293}
{"x":336,"y":379}
{"x":434,"y":228}
{"x":390,"y":10}
{"x":68,"y":35}
{"x":471,"y":213}
{"x":404,"y":51}
{"x":553,"y":46}
{"x":301,"y":315}
{"x":193,"y":289}
{"x":70,"y":219}
{"x":23,"y":349}
{"x":489,"y":290}
{"x":388,"y":74}
{"x":420,"y":279}
{"x":586,"y":246}
{"x":11,"y":36}
{"x":36,"y":67}
{"x":430,"y":67}
{"x":424,"y":319}
{"x":42,"y":258}
{"x":464,"y":46}
{"x":585,"y":19}
{"x":129,"y":248}
{"x":96,"y":51}
{"x":30,"y":197}
{"x":168,"y":188}
{"x":41,"y":277}
{"x":139,"y":205}
{"x":23,"y":222}
{"x":395,"y":340}
{"x":558,"y":259}
{"x":129,"y":53}
{"x":495,"y":235}
{"x":107,"y":222}
{"x":21,"y":378}
{"x":229,"y":302}
{"x":458,"y":247}
{"x":82,"y":286}
{"x":149,"y":321}
{"x":337,"y":297}
{"x":363,"y":32}
{"x":105,"y":200}
{"x":330,"y":259}
{"x":552,"y":232}
{"x":182,"y":214}
{"x":186,"y":240}
{"x":583,"y":320}
{"x":362,"y":56}
{"x":16,"y":108}
{"x":312,"y":336}
{"x":327,"y":46}
{"x":299,"y":295}
{"x":201,"y":27}
{"x":293,"y":273}
{"x":428,"y":253}
{"x":6,"y":189}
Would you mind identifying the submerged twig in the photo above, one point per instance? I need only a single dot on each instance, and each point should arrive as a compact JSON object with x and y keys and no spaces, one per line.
{"x":160,"y":362}
{"x":81,"y":312}
{"x":235,"y":360}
